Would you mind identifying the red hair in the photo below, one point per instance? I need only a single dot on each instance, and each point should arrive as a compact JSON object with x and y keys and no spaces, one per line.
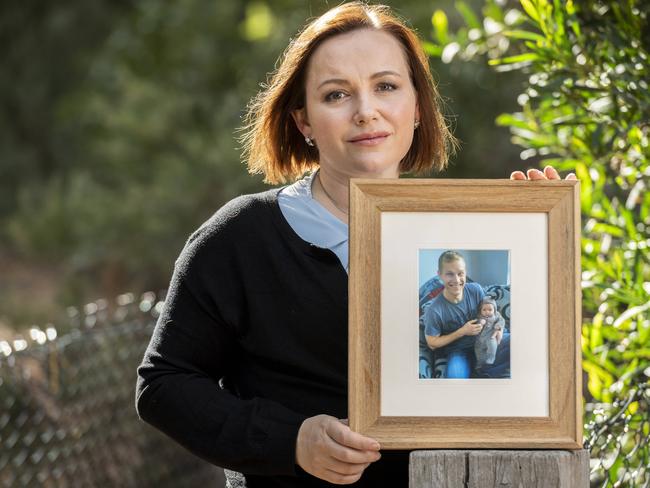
{"x":272,"y":143}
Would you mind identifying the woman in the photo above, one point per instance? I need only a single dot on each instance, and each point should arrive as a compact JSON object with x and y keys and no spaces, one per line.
{"x":247,"y":366}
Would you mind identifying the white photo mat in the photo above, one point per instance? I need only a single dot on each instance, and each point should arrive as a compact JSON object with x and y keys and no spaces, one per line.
{"x":525,"y":235}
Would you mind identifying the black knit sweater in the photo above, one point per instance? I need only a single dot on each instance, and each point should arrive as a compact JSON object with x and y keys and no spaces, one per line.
{"x":252,"y":304}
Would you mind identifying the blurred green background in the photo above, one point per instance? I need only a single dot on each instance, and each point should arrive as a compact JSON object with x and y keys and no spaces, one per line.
{"x":118,"y":134}
{"x":118,"y":137}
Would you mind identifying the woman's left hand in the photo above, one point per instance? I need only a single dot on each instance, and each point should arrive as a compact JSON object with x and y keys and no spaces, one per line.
{"x":549,"y":173}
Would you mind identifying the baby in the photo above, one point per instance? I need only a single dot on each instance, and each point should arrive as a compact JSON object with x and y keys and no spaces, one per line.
{"x":485,"y":346}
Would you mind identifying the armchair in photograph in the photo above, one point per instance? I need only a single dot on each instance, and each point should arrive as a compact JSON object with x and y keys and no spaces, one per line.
{"x":431,"y":365}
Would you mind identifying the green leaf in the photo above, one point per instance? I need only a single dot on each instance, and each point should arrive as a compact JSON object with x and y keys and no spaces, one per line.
{"x":617,"y":259}
{"x":633,"y":408}
{"x":599,"y":378}
{"x":595,"y":332}
{"x":510,"y":120}
{"x":585,"y":186}
{"x":632,"y":311}
{"x":637,"y":353}
{"x":440,"y":26}
{"x":431,"y":49}
{"x":522,"y":34}
{"x":493,"y":10}
{"x":558,"y":15}
{"x":631,"y":367}
{"x":635,"y":135}
{"x":570,"y":8}
{"x":644,"y":213}
{"x":644,"y":333}
{"x":520,"y":58}
{"x":575,"y":27}
{"x":630,"y":224}
{"x":530,"y":9}
{"x":595,"y":386}
{"x":258,"y":23}
{"x":468,"y":15}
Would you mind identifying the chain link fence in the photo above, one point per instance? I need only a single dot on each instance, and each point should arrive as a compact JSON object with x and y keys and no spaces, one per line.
{"x":67,"y":415}
{"x":618,"y":436}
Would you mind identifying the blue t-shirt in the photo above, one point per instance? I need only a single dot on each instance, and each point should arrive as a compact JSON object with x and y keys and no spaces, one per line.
{"x":443,"y":317}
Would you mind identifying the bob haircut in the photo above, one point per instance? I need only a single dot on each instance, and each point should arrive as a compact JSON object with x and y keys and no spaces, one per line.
{"x":272,"y":143}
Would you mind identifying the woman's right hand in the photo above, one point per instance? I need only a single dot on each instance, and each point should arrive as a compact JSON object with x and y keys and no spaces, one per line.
{"x":328,"y":449}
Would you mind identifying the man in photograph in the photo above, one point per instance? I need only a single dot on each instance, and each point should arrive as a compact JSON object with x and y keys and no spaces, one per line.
{"x":451,"y":326}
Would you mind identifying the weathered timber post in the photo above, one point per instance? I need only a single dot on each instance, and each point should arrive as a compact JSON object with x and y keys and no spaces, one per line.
{"x":502,"y":469}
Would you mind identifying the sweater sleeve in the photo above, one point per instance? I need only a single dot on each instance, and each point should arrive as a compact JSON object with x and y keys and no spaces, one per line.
{"x":179,"y":393}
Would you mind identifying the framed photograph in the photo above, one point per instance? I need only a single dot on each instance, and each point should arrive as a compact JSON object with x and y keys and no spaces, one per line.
{"x":465,"y":313}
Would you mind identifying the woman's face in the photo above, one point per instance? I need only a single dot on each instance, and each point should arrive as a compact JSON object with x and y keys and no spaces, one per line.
{"x":360,"y":104}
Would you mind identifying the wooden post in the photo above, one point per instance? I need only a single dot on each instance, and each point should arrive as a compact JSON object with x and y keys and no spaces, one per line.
{"x":502,"y":469}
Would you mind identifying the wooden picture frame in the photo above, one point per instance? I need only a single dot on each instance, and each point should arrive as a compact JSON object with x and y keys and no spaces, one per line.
{"x":559,"y":204}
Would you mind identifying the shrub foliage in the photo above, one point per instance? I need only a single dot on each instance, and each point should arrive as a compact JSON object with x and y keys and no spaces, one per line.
{"x":585,"y":108}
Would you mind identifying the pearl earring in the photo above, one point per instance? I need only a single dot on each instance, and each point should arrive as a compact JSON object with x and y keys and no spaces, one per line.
{"x":309,"y":141}
{"x":417,"y":124}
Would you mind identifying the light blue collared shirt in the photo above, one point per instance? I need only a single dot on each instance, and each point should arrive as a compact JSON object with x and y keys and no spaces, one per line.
{"x":313,"y":222}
